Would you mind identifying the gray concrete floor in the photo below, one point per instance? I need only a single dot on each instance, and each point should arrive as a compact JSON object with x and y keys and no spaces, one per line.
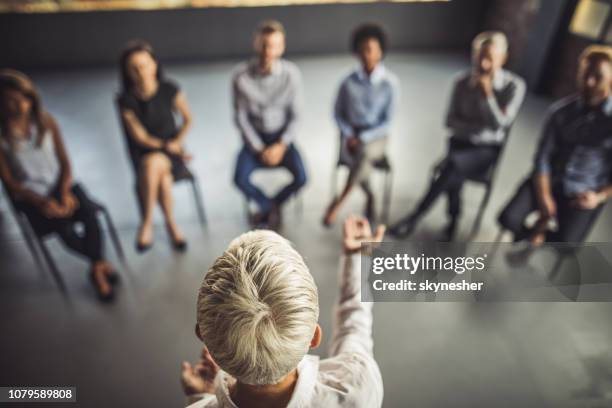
{"x":430,"y":354}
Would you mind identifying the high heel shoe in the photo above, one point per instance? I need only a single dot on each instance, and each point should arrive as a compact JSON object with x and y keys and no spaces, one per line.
{"x":140,"y":247}
{"x":179,"y":245}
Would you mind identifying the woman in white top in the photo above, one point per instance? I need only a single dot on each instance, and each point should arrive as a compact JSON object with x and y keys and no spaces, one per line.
{"x":36,"y":172}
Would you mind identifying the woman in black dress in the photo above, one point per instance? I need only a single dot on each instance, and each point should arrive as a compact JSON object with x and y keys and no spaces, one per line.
{"x":147,"y":104}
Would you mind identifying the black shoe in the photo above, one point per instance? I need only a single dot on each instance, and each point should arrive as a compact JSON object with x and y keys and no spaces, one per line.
{"x":179,"y":245}
{"x":259,"y":220}
{"x":448,"y":234}
{"x":140,"y":247}
{"x":113,"y":278}
{"x":404,"y":228}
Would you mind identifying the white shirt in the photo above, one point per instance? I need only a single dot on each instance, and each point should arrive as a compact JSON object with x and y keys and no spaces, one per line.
{"x":35,"y":166}
{"x":350,"y":377}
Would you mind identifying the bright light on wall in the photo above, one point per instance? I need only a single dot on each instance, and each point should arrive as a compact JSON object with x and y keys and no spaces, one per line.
{"x":49,"y":6}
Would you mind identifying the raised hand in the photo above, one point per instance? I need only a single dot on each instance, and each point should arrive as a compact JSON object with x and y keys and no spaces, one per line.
{"x":357,"y":230}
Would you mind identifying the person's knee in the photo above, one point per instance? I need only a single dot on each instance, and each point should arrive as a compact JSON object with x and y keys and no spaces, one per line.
{"x":154,"y":162}
{"x":510,"y":219}
{"x":241,"y":178}
{"x":300,"y":179}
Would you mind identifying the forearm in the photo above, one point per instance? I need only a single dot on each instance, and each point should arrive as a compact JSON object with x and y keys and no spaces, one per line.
{"x":543,"y":188}
{"x":605,"y":193}
{"x":23,"y":194}
{"x":463,"y":127}
{"x":353,"y":318}
{"x":250,"y":136}
{"x":290,"y":133}
{"x":183,"y":131}
{"x":375,"y":133}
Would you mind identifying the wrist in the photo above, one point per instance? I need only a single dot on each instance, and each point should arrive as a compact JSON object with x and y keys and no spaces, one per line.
{"x":603,"y":196}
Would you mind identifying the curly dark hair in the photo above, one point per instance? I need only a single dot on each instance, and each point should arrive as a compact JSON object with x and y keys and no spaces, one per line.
{"x":365,"y":32}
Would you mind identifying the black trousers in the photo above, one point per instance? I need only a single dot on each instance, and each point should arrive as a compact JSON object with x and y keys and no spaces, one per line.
{"x":573,"y":223}
{"x":463,"y":160}
{"x":87,"y":242}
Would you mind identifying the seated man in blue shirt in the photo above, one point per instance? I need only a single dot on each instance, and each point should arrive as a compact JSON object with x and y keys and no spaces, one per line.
{"x":267,"y":99}
{"x":484,"y":104}
{"x":363,"y":111}
{"x":573,"y":165}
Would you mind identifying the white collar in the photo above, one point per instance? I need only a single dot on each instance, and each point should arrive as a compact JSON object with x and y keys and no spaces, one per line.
{"x":308,"y":370}
{"x":375,"y":77}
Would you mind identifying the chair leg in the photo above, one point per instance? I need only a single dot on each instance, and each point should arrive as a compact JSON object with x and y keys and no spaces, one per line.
{"x":387,"y":196}
{"x":334,"y":183}
{"x":113,"y":233}
{"x":52,"y":266}
{"x":299,"y":204}
{"x":247,"y":209}
{"x":27,"y":234}
{"x":198,"y":201}
{"x":480,"y":213}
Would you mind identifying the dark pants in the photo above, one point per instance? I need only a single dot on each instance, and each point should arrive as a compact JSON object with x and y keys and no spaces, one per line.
{"x":463,"y":160}
{"x":573,"y":223}
{"x":87,"y":243}
{"x":248,"y":162}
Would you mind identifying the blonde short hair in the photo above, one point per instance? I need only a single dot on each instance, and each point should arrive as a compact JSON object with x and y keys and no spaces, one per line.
{"x":258,"y":308}
{"x":495,"y":38}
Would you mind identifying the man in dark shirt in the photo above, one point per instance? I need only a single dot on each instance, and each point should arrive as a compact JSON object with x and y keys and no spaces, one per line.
{"x":573,"y":165}
{"x":485,"y":102}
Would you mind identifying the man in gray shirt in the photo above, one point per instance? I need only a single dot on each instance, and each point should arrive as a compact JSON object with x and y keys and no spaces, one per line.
{"x":267,"y":100}
{"x":572,"y":176}
{"x":484,"y":104}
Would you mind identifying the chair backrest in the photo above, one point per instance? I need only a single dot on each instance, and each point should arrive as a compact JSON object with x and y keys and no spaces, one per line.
{"x":20,"y":217}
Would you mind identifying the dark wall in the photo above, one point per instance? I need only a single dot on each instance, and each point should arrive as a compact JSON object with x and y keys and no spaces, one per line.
{"x":87,"y":39}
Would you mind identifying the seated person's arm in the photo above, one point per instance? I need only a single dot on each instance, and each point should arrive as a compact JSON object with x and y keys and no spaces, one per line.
{"x":182,"y":107}
{"x":353,"y":320}
{"x":346,"y":130}
{"x":68,"y":199}
{"x":504,"y":115}
{"x":241,"y":117}
{"x":455,"y":121}
{"x":543,"y":169}
{"x":382,"y":128}
{"x":47,"y":206}
{"x":137,"y":131}
{"x":294,"y":111}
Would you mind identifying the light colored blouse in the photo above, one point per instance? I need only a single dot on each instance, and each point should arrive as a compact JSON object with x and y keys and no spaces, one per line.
{"x":35,"y":166}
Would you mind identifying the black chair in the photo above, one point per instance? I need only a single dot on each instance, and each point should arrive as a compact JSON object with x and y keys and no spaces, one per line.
{"x":36,"y":239}
{"x":485,"y":179}
{"x":383,"y":165}
{"x":185,"y":174}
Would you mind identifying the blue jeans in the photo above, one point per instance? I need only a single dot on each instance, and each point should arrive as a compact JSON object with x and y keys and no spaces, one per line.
{"x":248,"y":162}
